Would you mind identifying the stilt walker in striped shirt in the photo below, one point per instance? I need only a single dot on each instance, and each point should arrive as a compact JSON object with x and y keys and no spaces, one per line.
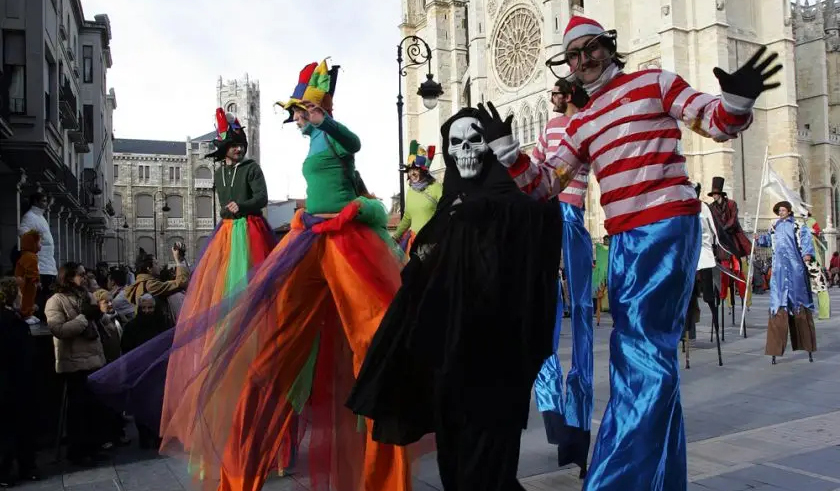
{"x":629,"y":133}
{"x":568,"y":422}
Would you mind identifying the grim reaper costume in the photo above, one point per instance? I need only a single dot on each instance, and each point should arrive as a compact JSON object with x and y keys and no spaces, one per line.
{"x":461,"y":344}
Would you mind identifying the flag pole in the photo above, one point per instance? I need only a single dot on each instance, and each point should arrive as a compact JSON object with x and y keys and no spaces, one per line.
{"x":749,"y":277}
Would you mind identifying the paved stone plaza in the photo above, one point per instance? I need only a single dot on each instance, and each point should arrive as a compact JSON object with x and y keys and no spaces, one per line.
{"x":751,"y":426}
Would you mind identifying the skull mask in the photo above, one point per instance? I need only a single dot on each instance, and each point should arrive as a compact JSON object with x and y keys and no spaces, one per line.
{"x":467,"y":147}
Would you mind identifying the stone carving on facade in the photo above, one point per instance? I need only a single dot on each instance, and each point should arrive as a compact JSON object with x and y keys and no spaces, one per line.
{"x":666,"y":10}
{"x":653,"y":64}
{"x":720,"y":4}
{"x":516,"y":47}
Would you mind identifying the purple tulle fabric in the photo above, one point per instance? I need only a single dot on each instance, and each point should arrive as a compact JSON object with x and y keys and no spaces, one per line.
{"x":135,"y":382}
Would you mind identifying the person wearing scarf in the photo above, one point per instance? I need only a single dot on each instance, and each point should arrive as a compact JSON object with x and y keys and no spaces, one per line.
{"x":422,"y":198}
{"x":629,"y":133}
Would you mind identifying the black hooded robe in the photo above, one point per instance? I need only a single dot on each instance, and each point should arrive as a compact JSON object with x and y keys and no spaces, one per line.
{"x":459,"y":349}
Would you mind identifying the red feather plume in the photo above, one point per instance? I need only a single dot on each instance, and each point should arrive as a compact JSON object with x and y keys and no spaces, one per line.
{"x":430,"y":153}
{"x":221,"y":122}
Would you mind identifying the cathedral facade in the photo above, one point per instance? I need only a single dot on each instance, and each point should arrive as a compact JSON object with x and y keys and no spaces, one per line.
{"x":163,"y":190}
{"x":496,"y":50}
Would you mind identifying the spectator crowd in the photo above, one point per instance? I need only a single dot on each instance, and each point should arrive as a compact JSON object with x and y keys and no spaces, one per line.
{"x":94,"y":315}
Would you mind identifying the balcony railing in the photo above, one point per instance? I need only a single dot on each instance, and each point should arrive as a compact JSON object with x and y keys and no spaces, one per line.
{"x":204,"y":223}
{"x":145,"y":223}
{"x":204,"y":183}
{"x":176,"y":223}
{"x":67,"y":104}
{"x":77,"y":134}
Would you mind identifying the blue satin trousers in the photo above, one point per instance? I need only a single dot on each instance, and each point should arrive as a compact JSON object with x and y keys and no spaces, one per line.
{"x":577,"y":263}
{"x":641,"y":442}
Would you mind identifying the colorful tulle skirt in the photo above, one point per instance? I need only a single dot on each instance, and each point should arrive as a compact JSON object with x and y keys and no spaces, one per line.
{"x":407,"y":240}
{"x":135,"y":382}
{"x":285,"y":357}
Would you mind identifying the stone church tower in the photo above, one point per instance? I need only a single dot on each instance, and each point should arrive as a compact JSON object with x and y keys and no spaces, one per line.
{"x":496,"y":50}
{"x":242,"y":98}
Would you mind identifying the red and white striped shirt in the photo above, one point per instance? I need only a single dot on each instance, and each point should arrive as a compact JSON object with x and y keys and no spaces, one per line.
{"x":547,"y":144}
{"x":629,"y":134}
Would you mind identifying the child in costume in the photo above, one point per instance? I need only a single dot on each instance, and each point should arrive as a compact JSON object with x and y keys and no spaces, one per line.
{"x":296,"y":338}
{"x":422,"y":197}
{"x":568,"y":423}
{"x":29,"y":276}
{"x":461,"y":345}
{"x":242,"y":240}
{"x":791,"y":298}
{"x":629,"y":134}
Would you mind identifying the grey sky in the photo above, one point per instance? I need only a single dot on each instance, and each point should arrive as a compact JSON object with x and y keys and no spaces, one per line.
{"x":168,"y":56}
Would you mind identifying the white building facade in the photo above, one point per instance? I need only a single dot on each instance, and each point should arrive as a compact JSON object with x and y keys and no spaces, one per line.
{"x":496,"y":50}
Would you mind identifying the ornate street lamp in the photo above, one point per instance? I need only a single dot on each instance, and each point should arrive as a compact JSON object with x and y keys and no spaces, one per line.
{"x":154,"y":217}
{"x":417,"y":52}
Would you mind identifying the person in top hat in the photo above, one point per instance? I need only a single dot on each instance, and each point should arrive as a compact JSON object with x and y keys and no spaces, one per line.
{"x":423,"y":195}
{"x":791,"y":299}
{"x":629,"y":132}
{"x":736,"y":245}
{"x":726,"y":211}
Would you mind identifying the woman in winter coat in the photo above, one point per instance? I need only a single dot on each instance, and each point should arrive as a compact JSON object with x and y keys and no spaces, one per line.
{"x":72,"y":316}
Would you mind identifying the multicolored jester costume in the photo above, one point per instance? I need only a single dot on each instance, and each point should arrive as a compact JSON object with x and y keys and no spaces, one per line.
{"x":181,"y":357}
{"x":422,"y":197}
{"x":296,"y":336}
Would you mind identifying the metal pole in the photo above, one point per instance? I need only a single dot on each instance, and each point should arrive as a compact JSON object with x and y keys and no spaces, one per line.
{"x":154,"y":226}
{"x":400,"y":127}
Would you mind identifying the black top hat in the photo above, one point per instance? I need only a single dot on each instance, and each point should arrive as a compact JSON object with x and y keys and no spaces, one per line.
{"x":717,"y":187}
{"x":780,"y":204}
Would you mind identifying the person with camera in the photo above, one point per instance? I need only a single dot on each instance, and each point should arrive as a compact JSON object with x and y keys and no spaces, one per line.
{"x":148,"y":281}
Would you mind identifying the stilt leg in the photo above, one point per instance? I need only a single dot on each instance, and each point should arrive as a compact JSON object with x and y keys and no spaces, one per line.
{"x":687,"y":349}
{"x":716,"y":331}
{"x":773,"y":361}
{"x":810,"y":357}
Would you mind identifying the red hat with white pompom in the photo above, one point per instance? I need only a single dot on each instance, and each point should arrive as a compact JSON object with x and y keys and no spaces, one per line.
{"x":580,"y":26}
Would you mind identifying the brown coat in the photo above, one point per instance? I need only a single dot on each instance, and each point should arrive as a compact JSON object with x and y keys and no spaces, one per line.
{"x":77,"y":344}
{"x":27,"y":269}
{"x":147,"y":283}
{"x":726,"y":213}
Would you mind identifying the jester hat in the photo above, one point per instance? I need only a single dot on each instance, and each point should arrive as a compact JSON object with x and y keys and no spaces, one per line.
{"x":228,"y":132}
{"x":419,"y":157}
{"x":316,"y":84}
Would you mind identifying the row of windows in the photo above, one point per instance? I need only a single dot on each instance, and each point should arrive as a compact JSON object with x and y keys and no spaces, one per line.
{"x":114,"y":244}
{"x":529,"y":129}
{"x":144,"y":206}
{"x":173,"y":172}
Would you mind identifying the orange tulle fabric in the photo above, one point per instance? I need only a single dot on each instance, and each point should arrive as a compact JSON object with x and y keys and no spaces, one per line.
{"x":208,"y":289}
{"x":332,"y":299}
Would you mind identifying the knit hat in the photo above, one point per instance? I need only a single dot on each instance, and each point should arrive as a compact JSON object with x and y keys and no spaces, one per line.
{"x":580,"y":26}
{"x":316,"y":84}
{"x":228,"y":132}
{"x":419,"y":157}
